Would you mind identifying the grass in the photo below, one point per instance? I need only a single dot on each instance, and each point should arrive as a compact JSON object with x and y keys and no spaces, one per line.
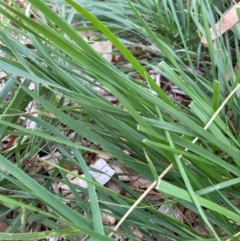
{"x":190,"y":153}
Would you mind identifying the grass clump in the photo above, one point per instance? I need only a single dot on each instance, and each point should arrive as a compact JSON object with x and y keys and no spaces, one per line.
{"x":180,"y":134}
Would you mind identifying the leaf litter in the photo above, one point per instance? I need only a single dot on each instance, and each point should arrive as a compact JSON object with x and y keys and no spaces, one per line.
{"x":103,"y":172}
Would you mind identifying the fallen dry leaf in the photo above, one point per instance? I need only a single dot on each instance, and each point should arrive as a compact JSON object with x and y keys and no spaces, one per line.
{"x":141,"y":183}
{"x":107,"y":219}
{"x":137,"y":233}
{"x":227,"y":21}
{"x":190,"y":216}
{"x":74,"y":180}
{"x":104,"y":48}
{"x":103,"y":176}
{"x":177,"y":214}
{"x":121,"y":176}
{"x":3,"y":226}
{"x":112,"y":185}
{"x":2,"y":75}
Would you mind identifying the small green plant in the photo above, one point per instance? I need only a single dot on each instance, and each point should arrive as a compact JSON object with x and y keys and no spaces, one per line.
{"x":148,"y":131}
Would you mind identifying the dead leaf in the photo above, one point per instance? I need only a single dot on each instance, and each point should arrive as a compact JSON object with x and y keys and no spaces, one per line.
{"x":112,"y":185}
{"x":118,"y":170}
{"x":72,"y":178}
{"x":104,"y":48}
{"x":2,"y":75}
{"x":3,"y":226}
{"x":177,"y":214}
{"x":108,"y":219}
{"x":141,"y":183}
{"x":52,"y":158}
{"x":137,"y":233}
{"x":226,"y":22}
{"x":190,"y":216}
{"x":103,"y":176}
